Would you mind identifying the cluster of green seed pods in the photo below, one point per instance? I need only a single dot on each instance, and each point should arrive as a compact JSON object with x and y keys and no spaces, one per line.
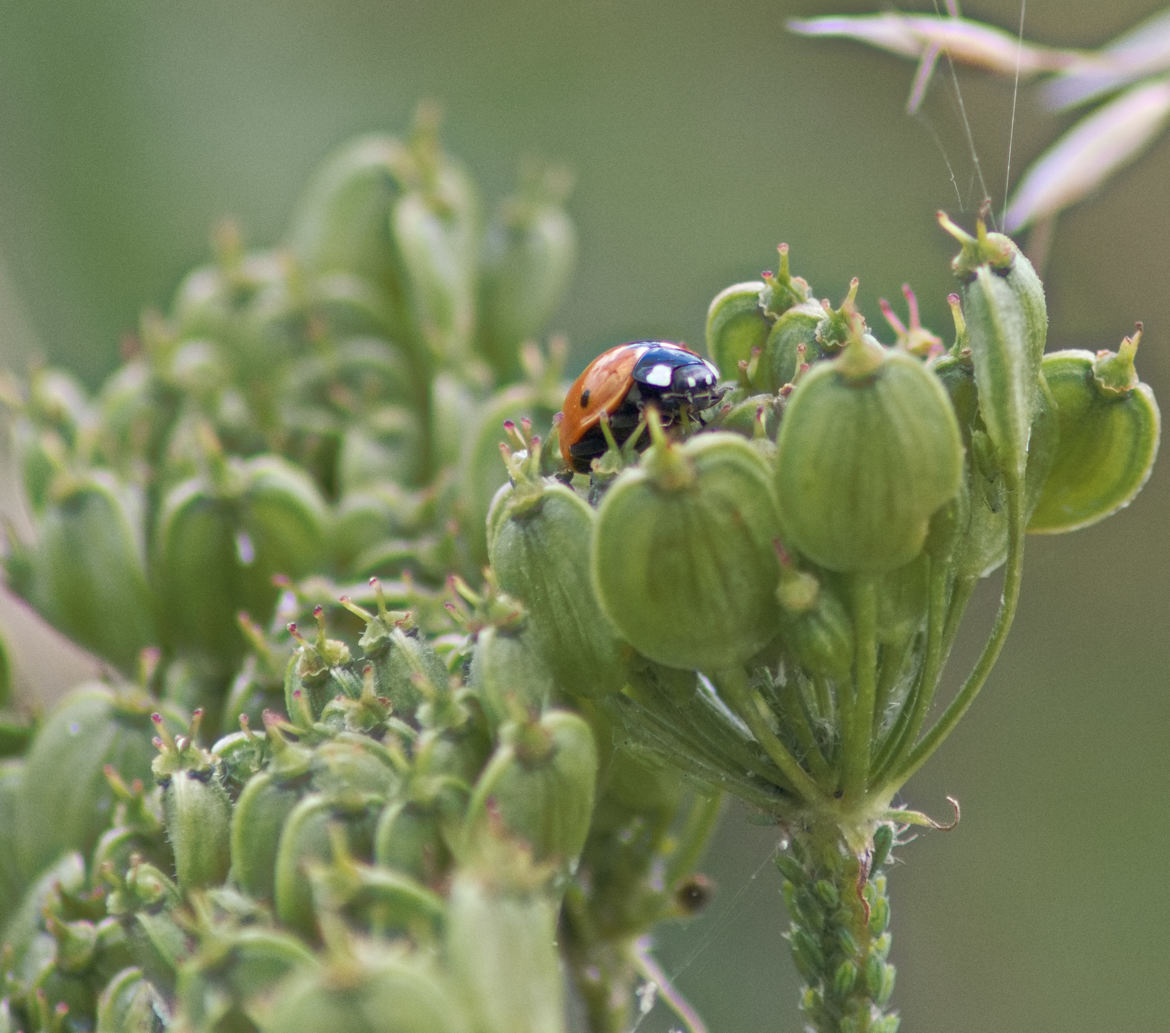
{"x":465,"y":811}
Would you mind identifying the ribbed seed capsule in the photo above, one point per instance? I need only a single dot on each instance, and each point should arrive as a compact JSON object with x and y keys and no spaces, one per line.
{"x":65,"y":798}
{"x":539,"y":786}
{"x":868,"y":450}
{"x":541,"y":545}
{"x":528,"y":253}
{"x":684,"y":562}
{"x":1109,"y":432}
{"x":1007,"y":325}
{"x":736,"y":324}
{"x":87,"y":574}
{"x":388,"y":993}
{"x":219,"y":542}
{"x":501,"y":940}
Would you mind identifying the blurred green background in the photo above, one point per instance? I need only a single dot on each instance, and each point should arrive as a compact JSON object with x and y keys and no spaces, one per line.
{"x":701,"y":136}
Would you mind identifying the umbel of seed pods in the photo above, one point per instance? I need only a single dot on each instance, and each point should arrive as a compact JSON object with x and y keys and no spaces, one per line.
{"x":777,"y":567}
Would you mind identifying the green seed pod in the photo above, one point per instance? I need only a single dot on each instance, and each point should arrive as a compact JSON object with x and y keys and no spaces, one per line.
{"x":131,"y":1004}
{"x":528,"y":253}
{"x":983,"y":541}
{"x":389,"y":992}
{"x":198,"y":822}
{"x":736,"y":324}
{"x":791,"y":342}
{"x":435,"y":232}
{"x":260,"y":814}
{"x":684,"y":562}
{"x":864,"y":504}
{"x":815,"y":628}
{"x":501,"y":940}
{"x":218,"y":544}
{"x":342,"y":221}
{"x":96,"y":593}
{"x":508,"y":672}
{"x":481,"y":473}
{"x":1109,"y":431}
{"x":228,"y":983}
{"x":541,"y":552}
{"x":538,"y":787}
{"x":1007,"y":325}
{"x":412,"y":838}
{"x":92,"y":728}
{"x":305,"y":839}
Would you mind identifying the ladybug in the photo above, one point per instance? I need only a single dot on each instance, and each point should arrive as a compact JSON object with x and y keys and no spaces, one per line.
{"x":620,"y":382}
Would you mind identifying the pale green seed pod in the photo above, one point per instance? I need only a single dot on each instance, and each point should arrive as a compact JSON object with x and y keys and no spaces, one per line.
{"x":792,"y":341}
{"x":129,"y":1003}
{"x":541,"y":550}
{"x":305,"y":839}
{"x":736,"y":324}
{"x":538,"y":788}
{"x":436,"y":233}
{"x":684,"y":562}
{"x":1007,"y":325}
{"x":342,"y":221}
{"x":868,"y":450}
{"x":198,"y":824}
{"x":529,"y":249}
{"x":815,"y":628}
{"x":501,"y":941}
{"x":232,"y":980}
{"x":92,"y":728}
{"x":982,"y":545}
{"x":86,"y":574}
{"x":508,"y":672}
{"x":218,"y":542}
{"x":391,"y":992}
{"x":1109,"y":432}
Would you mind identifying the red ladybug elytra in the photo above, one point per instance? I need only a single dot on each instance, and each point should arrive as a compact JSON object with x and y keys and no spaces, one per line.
{"x":620,"y":382}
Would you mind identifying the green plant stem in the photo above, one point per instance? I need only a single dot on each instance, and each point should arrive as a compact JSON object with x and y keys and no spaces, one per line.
{"x":858,"y":712}
{"x":913,"y":716}
{"x":1009,"y":600}
{"x":737,"y":693}
{"x":839,"y":935}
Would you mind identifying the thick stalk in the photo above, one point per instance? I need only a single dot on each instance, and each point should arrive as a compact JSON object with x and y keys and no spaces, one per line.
{"x":839,"y":933}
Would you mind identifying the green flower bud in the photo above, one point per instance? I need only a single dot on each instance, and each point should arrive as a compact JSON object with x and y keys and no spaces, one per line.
{"x":1109,"y":431}
{"x":868,"y":450}
{"x":86,"y":573}
{"x":93,"y":728}
{"x":684,"y":563}
{"x":1007,"y":325}
{"x":528,"y":253}
{"x":501,"y":940}
{"x":541,"y":551}
{"x":736,"y":324}
{"x":218,"y":543}
{"x":538,"y":787}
